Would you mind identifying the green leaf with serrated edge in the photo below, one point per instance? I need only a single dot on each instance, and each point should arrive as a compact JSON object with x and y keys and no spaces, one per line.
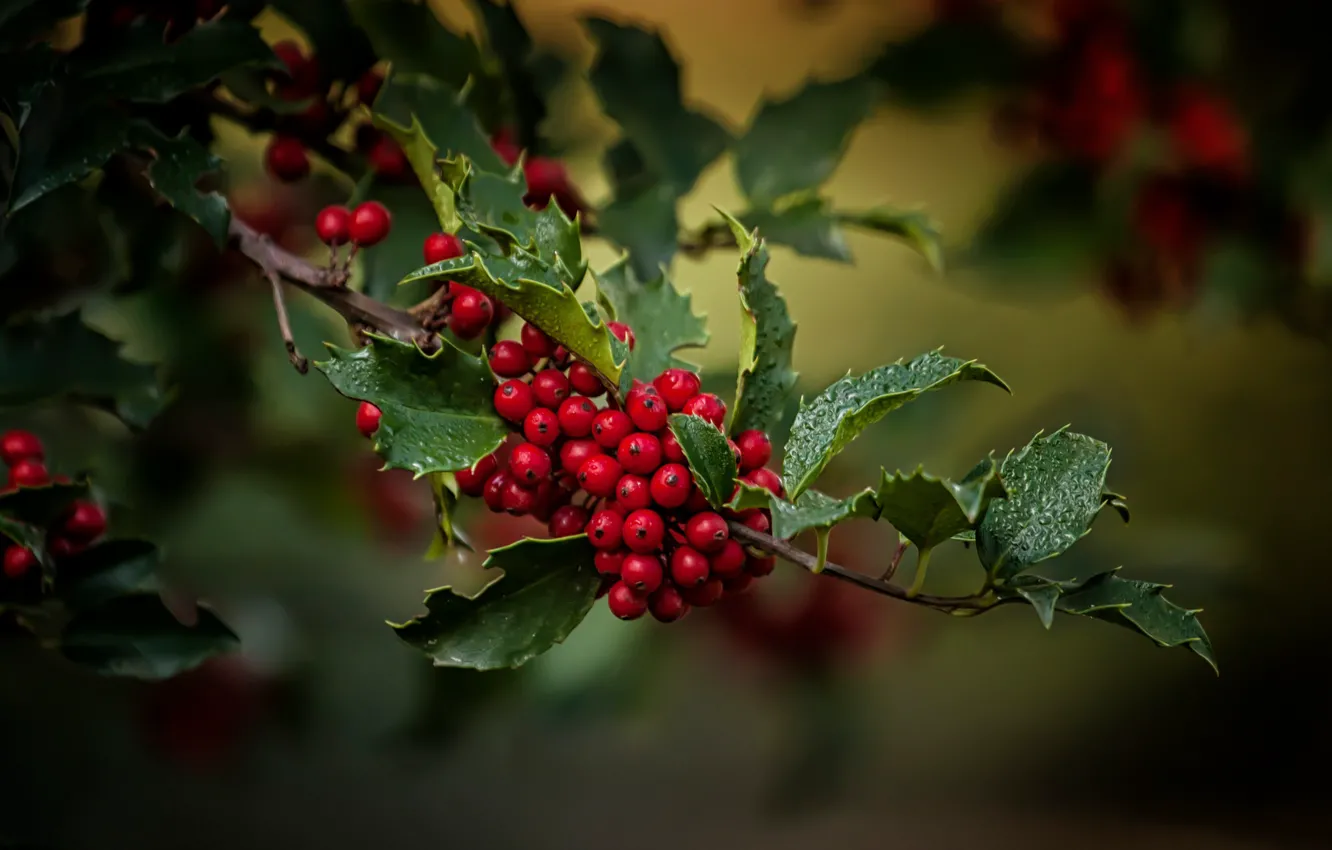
{"x":929,"y":510}
{"x":100,"y":134}
{"x":409,"y":36}
{"x":444,"y":490}
{"x":1054,"y":493}
{"x":646,"y":225}
{"x":64,"y":357}
{"x":136,"y":636}
{"x":178,"y":165}
{"x":794,"y":145}
{"x":767,"y":335}
{"x":41,"y":506}
{"x":344,"y":51}
{"x":438,"y":413}
{"x":806,"y":225}
{"x":547,"y":588}
{"x":837,"y":415}
{"x":749,"y":496}
{"x":1133,"y":604}
{"x":918,"y":229}
{"x":708,"y":454}
{"x":535,"y":291}
{"x":493,"y":204}
{"x":949,"y":59}
{"x":638,"y":82}
{"x":1118,"y":503}
{"x":662,"y":318}
{"x":423,"y":155}
{"x":109,"y":569}
{"x":444,"y":117}
{"x":148,"y":70}
{"x":818,"y":511}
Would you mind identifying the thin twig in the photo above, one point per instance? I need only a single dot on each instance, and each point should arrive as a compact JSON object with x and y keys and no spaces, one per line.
{"x":782,"y":549}
{"x":284,"y":321}
{"x":896,"y":560}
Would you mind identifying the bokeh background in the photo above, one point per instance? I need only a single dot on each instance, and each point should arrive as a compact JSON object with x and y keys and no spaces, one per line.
{"x":815,"y":717}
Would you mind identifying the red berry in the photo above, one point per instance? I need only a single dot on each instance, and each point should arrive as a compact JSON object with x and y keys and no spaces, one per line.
{"x":755,"y":449}
{"x":760,"y":566}
{"x":598,"y":475}
{"x":708,"y":406}
{"x":505,"y":144}
{"x":605,"y":530}
{"x":18,"y":561}
{"x":471,"y":312}
{"x":670,"y":447}
{"x":29,"y":473}
{"x":608,"y":561}
{"x":442,"y":246}
{"x":370,"y":223}
{"x":541,"y":426}
{"x":648,"y":412}
{"x":561,"y":357}
{"x":286,"y":159}
{"x":729,"y":560}
{"x":493,"y":494}
{"x":302,"y":72}
{"x":514,"y":400}
{"x":671,"y":485}
{"x":20,"y":445}
{"x":63,"y":547}
{"x":689,"y":567}
{"x":368,"y":86}
{"x":698,"y":502}
{"x":623,"y":333}
{"x":536,"y":342}
{"x":387,"y":159}
{"x":767,"y":479}
{"x":611,"y":427}
{"x":584,"y":380}
{"x":707,"y":531}
{"x":644,"y":531}
{"x":86,"y":521}
{"x":639,"y":454}
{"x":551,"y":388}
{"x":736,"y":585}
{"x":472,"y":482}
{"x":333,"y":225}
{"x":576,"y":415}
{"x":757,"y":520}
{"x":529,"y":464}
{"x":667,"y":605}
{"x":633,"y":493}
{"x":624,"y":603}
{"x":367,"y":419}
{"x":567,"y":521}
{"x":517,"y":499}
{"x":508,"y":359}
{"x":545,"y":178}
{"x":575,"y":452}
{"x":708,"y":593}
{"x":641,"y":572}
{"x":677,"y":386}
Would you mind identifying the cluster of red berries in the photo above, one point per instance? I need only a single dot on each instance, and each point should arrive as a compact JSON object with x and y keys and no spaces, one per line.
{"x":367,"y":225}
{"x":617,"y":473}
{"x":81,"y":524}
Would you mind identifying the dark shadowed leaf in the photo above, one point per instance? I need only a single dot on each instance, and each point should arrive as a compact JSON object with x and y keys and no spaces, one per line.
{"x":807,"y":226}
{"x":409,"y":36}
{"x":914,"y":227}
{"x":928,"y":511}
{"x":947,"y":60}
{"x":109,"y":569}
{"x":644,"y":224}
{"x":137,"y":636}
{"x":178,"y":165}
{"x":342,"y":49}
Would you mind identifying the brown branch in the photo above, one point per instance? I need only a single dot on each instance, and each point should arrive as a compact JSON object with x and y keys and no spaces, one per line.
{"x":896,"y":560}
{"x":284,"y":321}
{"x":975,"y":604}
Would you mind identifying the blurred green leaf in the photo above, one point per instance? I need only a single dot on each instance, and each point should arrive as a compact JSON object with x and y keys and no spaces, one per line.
{"x":928,"y":511}
{"x":100,"y":134}
{"x":341,"y":46}
{"x":808,"y":226}
{"x":1044,"y":224}
{"x":794,"y":145}
{"x":509,"y":40}
{"x":1135,"y":605}
{"x":444,"y":491}
{"x":137,"y":636}
{"x":438,"y":414}
{"x":178,"y":165}
{"x":111,"y":568}
{"x":423,"y":155}
{"x":638,"y":82}
{"x":836,"y":416}
{"x":445,"y":118}
{"x":662,"y":318}
{"x":949,"y":59}
{"x":709,"y":456}
{"x":409,"y":35}
{"x":646,"y":225}
{"x":767,"y":335}
{"x":547,"y":588}
{"x":21,"y":20}
{"x":917,"y":229}
{"x":400,"y":253}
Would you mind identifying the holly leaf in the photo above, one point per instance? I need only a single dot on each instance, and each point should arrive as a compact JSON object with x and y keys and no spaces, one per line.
{"x":423,"y":155}
{"x":767,"y":335}
{"x":794,"y":145}
{"x":136,"y":636}
{"x":646,"y":225}
{"x":148,"y":70}
{"x":438,"y":413}
{"x":1130,"y":603}
{"x":1054,"y":493}
{"x":1045,"y":225}
{"x":662,"y":318}
{"x":928,"y":511}
{"x":807,"y":226}
{"x":536,"y":291}
{"x":178,"y":165}
{"x":64,"y":357}
{"x":509,"y":40}
{"x":947,"y":60}
{"x":342,"y":47}
{"x":41,"y":506}
{"x":709,"y":456}
{"x":917,"y":229}
{"x":110,"y":569}
{"x":21,"y":20}
{"x":638,"y":81}
{"x":546,"y":590}
{"x":409,"y":36}
{"x":73,"y":154}
{"x":444,"y":118}
{"x":836,"y":416}
{"x":444,"y":490}
{"x":818,"y":511}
